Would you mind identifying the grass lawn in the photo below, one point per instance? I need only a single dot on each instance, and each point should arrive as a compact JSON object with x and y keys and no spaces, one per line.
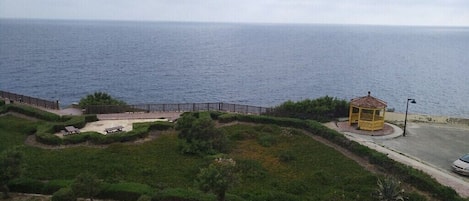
{"x":14,"y":131}
{"x":275,"y":163}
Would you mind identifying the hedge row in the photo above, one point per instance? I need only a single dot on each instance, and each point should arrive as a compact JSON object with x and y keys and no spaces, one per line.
{"x":45,"y":132}
{"x":123,"y":191}
{"x":417,"y":178}
{"x":33,"y":112}
{"x":60,"y":189}
{"x":28,"y":185}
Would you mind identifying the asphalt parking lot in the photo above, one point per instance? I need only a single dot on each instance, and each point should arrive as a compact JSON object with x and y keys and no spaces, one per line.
{"x":435,"y":144}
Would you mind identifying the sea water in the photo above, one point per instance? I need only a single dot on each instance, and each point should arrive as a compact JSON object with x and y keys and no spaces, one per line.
{"x":254,"y":64}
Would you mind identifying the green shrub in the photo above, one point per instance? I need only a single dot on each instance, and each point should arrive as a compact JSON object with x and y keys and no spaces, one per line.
{"x":76,"y":138}
{"x":125,"y":191}
{"x":26,"y":185}
{"x":91,"y":118}
{"x":2,"y":103}
{"x":251,"y":169}
{"x":144,"y":198}
{"x":33,"y":112}
{"x":161,"y":126}
{"x":64,"y":194}
{"x":286,"y":156}
{"x":267,"y":140}
{"x":3,"y":109}
{"x":215,"y":114}
{"x":415,"y":197}
{"x":322,"y":109}
{"x":99,"y":98}
{"x":44,"y":134}
{"x":271,"y":196}
{"x":54,"y":185}
{"x":180,"y":194}
{"x":200,"y":135}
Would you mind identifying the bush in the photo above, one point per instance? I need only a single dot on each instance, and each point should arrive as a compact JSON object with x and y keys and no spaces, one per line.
{"x":415,"y":197}
{"x":45,"y":132}
{"x":125,"y":191}
{"x":179,"y":194}
{"x":251,"y":169}
{"x":200,"y":135}
{"x":271,"y":196}
{"x":33,"y":112}
{"x":2,"y":103}
{"x":99,"y":98}
{"x":64,"y":194}
{"x":26,"y":185}
{"x":286,"y":156}
{"x":321,"y":109}
{"x":267,"y":140}
{"x":144,"y":198}
{"x":44,"y":135}
{"x":54,"y":185}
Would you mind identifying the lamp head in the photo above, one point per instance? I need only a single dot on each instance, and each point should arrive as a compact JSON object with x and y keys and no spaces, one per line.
{"x":412,"y":101}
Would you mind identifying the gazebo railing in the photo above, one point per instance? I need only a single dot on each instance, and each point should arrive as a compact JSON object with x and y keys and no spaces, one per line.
{"x":371,"y":125}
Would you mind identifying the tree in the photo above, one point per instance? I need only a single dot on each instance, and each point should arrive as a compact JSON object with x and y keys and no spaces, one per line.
{"x":218,"y":177}
{"x":389,"y":189}
{"x":86,"y":185}
{"x":99,"y":98}
{"x":200,"y":135}
{"x":10,"y":168}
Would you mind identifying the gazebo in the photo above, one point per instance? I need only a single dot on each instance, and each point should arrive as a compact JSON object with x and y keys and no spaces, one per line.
{"x":367,"y":112}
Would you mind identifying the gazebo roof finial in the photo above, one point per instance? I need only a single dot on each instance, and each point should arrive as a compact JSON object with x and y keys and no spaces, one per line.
{"x":368,"y":102}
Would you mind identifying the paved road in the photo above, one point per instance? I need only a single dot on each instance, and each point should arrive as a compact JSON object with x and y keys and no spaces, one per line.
{"x":435,"y":144}
{"x":430,"y":147}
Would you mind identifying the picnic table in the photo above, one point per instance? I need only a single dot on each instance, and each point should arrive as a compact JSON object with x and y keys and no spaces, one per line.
{"x":71,"y":130}
{"x":114,"y":129}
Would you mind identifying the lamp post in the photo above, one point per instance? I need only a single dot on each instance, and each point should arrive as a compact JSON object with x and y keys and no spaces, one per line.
{"x":406,"y":109}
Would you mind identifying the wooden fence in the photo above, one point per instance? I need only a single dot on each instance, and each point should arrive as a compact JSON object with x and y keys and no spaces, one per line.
{"x":29,"y":100}
{"x":181,"y":107}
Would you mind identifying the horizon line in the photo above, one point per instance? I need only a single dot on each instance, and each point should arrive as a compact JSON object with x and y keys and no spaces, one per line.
{"x":232,"y":22}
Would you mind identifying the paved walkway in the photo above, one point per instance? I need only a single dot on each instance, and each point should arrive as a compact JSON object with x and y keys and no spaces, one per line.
{"x":458,"y":183}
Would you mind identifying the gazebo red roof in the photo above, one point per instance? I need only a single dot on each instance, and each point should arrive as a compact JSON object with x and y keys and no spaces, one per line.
{"x":368,"y":102}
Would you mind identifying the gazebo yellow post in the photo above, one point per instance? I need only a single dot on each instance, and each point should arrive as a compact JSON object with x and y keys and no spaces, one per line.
{"x":350,"y":115}
{"x":359,"y":116}
{"x":373,"y":120}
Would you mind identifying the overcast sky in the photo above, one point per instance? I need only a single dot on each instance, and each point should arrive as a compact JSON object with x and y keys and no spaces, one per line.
{"x":381,"y":12}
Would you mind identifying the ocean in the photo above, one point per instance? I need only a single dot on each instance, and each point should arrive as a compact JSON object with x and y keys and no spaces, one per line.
{"x":253,"y":64}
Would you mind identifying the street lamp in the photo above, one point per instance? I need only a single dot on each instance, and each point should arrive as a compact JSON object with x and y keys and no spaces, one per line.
{"x":406,"y":109}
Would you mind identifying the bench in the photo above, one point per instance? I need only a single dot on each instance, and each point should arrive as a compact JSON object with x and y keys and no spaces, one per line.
{"x":71,"y":130}
{"x":114,"y":129}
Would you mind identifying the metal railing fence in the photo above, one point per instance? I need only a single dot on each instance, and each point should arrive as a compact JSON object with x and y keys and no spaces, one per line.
{"x":177,"y":107}
{"x":29,"y":100}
